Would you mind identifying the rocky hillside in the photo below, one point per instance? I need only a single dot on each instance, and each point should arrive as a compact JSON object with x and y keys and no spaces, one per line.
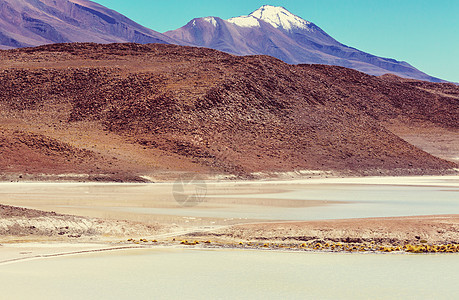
{"x":126,"y":110}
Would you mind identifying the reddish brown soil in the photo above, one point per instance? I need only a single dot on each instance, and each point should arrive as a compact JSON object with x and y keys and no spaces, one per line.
{"x":7,"y":211}
{"x":124,"y":110}
{"x":440,"y":142}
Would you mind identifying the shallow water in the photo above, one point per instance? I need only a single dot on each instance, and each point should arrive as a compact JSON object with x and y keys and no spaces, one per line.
{"x":227,"y":203}
{"x":229,"y":274}
{"x":357,"y":201}
{"x":363,"y":201}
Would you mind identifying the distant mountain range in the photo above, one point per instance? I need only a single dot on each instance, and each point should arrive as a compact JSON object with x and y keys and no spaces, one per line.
{"x":26,"y":23}
{"x":277,"y":32}
{"x":269,"y":30}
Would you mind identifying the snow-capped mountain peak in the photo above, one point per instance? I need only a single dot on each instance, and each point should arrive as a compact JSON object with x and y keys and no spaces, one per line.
{"x":279,"y":17}
{"x":211,"y":20}
{"x":275,"y":31}
{"x":245,"y":21}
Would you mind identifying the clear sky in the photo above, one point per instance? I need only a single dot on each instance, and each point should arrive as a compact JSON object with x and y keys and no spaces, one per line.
{"x":425,"y":33}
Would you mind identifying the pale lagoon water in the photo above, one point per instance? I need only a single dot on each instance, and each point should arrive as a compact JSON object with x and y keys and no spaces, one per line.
{"x":334,"y":198}
{"x":232,"y":274}
{"x":341,"y":201}
{"x":229,"y":274}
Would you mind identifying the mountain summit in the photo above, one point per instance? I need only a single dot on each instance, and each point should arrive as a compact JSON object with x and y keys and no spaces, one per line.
{"x":275,"y":31}
{"x":278,"y":17}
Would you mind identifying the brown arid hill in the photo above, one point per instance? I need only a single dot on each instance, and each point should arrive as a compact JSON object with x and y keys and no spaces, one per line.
{"x":122,"y":111}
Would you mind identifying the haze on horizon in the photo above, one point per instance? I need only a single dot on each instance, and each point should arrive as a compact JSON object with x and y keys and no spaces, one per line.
{"x":423,"y":33}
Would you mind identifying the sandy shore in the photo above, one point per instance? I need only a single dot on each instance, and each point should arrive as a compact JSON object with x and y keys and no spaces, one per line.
{"x":370,"y":233}
{"x":399,"y":235}
{"x":402,"y":234}
{"x":18,"y":252}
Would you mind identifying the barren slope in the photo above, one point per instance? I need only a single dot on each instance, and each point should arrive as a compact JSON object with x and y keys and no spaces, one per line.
{"x":129,"y":110}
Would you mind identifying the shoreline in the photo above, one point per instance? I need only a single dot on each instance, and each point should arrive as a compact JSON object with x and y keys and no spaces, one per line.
{"x":425,"y":233}
{"x":407,"y":180}
{"x":106,"y":248}
{"x":227,"y":238}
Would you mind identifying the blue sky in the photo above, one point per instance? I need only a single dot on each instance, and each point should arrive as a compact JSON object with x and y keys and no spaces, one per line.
{"x":424,"y":33}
